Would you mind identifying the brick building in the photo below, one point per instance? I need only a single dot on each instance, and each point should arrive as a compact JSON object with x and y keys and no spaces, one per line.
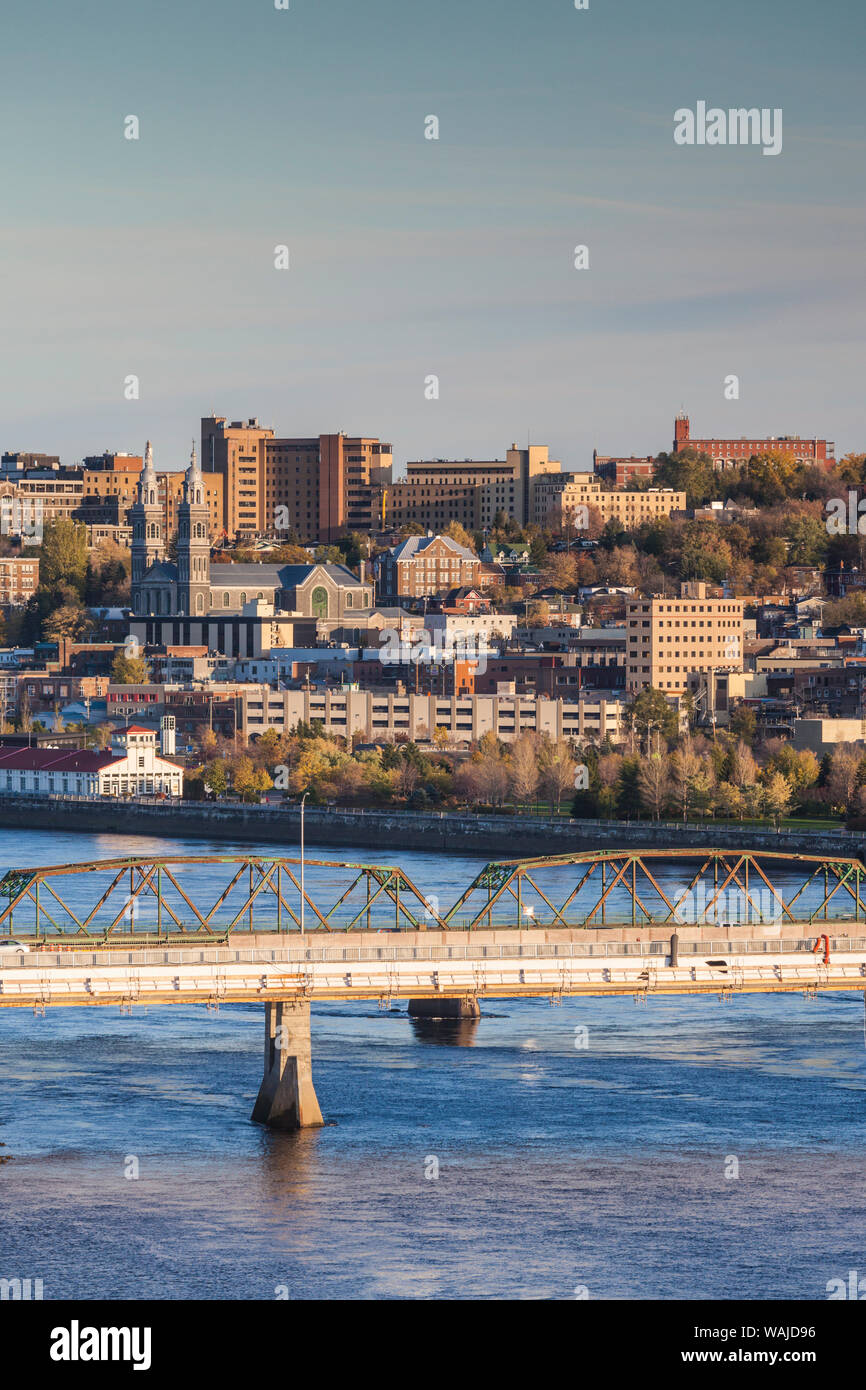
{"x":19,"y":579}
{"x":424,"y":567}
{"x":320,"y":487}
{"x":733,"y":453}
{"x":622,"y":472}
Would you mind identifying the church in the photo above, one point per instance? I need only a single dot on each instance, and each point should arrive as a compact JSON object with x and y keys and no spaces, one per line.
{"x":239,"y":610}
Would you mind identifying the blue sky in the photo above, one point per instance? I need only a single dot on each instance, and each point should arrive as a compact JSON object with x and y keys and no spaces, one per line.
{"x":412,"y":257}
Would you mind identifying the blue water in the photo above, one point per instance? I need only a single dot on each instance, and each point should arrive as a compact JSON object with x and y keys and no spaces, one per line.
{"x":558,"y":1166}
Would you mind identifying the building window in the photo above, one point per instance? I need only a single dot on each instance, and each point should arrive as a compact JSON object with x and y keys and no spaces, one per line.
{"x":319,"y":602}
{"x":226,"y":600}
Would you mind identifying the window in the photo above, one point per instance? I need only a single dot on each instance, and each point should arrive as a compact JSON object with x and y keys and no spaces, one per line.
{"x":319,"y":602}
{"x":226,"y":600}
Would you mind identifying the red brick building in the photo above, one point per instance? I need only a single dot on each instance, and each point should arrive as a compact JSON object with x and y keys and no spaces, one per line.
{"x":733,"y":453}
{"x":19,"y":579}
{"x":425,"y":567}
{"x":622,"y":472}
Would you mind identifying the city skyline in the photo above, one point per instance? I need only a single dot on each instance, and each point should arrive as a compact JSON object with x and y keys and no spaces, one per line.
{"x":412,"y":257}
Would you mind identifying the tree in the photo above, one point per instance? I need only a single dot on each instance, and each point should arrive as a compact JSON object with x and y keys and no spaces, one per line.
{"x":609,"y":765}
{"x":129,"y":670}
{"x":651,"y":711}
{"x":562,"y":570}
{"x":743,"y":768}
{"x":729,"y":800}
{"x":216,"y":777}
{"x":654,"y":783}
{"x":688,"y":471}
{"x":743,"y":723}
{"x":557,"y":768}
{"x":523,"y":768}
{"x":801,"y":767}
{"x":63,"y":554}
{"x":685,"y":767}
{"x":777,"y":795}
{"x":69,"y":622}
{"x":459,"y":534}
{"x":842,"y":774}
{"x":248,"y":780}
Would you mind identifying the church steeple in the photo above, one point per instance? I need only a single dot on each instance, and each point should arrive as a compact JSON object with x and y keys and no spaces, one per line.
{"x":148,"y":540}
{"x":193,"y":543}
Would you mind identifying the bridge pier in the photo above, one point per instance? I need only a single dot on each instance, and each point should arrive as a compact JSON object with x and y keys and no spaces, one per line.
{"x":466,"y":1007}
{"x":286,"y":1098}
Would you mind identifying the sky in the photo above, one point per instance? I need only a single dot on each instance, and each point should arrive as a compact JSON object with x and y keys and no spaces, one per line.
{"x":411,"y":258}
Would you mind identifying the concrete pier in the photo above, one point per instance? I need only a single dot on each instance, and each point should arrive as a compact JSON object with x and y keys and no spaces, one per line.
{"x":467,"y":1007}
{"x":286,"y":1098}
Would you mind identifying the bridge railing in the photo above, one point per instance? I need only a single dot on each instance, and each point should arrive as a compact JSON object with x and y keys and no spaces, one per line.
{"x":573,"y":950}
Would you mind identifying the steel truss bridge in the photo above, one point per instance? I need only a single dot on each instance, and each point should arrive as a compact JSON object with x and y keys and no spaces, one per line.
{"x":285,"y":933}
{"x":166,"y":898}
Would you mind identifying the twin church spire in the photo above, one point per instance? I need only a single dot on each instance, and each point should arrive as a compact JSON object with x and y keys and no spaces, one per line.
{"x":191,"y":591}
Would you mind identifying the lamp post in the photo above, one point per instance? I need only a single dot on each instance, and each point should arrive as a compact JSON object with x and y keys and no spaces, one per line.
{"x":302,"y":888}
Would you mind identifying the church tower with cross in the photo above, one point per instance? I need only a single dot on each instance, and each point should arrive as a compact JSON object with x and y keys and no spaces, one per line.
{"x":193,"y":544}
{"x":148,"y":541}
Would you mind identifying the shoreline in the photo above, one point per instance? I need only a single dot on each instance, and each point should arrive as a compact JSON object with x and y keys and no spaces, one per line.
{"x":490,"y":835}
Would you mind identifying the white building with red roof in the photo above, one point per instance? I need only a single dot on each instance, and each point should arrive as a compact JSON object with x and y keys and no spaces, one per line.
{"x":132,"y":768}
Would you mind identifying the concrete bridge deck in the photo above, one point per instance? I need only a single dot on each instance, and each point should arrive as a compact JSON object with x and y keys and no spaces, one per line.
{"x":459,"y":965}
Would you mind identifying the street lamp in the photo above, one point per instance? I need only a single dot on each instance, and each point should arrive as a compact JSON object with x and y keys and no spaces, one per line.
{"x":302,"y":890}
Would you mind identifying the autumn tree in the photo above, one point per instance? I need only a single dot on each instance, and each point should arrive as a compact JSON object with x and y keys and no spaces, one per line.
{"x":557,"y":768}
{"x":129,"y":670}
{"x":778,"y":794}
{"x":523,"y":768}
{"x":654,"y":783}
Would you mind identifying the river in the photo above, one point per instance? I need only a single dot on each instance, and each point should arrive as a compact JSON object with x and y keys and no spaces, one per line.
{"x":691,"y":1149}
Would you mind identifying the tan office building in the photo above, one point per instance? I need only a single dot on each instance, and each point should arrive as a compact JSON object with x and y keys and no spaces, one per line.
{"x":471,"y":491}
{"x":669,"y":639}
{"x":558,"y":502}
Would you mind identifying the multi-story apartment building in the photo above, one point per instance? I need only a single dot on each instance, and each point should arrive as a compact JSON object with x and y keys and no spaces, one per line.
{"x":321,"y":488}
{"x":372,"y":714}
{"x":424,"y":567}
{"x":671,"y":638}
{"x":236,"y":451}
{"x":560,"y":502}
{"x":733,"y":453}
{"x":473,"y":492}
{"x":19,"y":579}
